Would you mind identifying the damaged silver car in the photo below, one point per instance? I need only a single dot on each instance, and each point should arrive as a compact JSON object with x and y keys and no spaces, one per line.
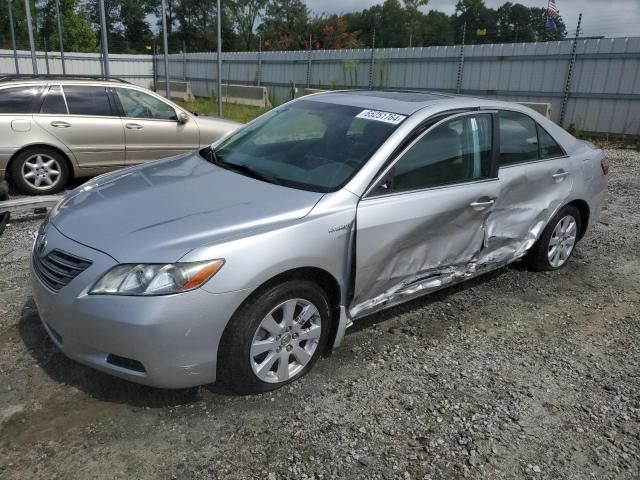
{"x":244,"y":262}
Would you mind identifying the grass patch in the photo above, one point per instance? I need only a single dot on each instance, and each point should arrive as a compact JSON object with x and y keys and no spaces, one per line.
{"x":231,"y":111}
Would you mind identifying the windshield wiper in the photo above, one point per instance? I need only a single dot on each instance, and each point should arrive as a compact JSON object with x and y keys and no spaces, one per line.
{"x":212,"y":156}
{"x":251,"y":172}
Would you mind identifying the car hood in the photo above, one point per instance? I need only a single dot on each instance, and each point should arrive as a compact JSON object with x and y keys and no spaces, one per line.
{"x":159,"y":211}
{"x":213,"y":128}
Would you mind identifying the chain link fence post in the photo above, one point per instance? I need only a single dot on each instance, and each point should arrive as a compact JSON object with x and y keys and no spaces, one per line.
{"x":372,"y":60}
{"x":61,"y":44}
{"x":309,"y":63}
{"x":34,"y":61}
{"x":13,"y":36}
{"x":461,"y":61}
{"x":259,"y":72}
{"x":103,"y":40}
{"x":567,"y":84}
{"x":184,"y":60}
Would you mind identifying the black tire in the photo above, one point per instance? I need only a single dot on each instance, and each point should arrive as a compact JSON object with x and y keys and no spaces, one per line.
{"x":24,"y":185}
{"x":538,"y":256}
{"x":234,"y":368}
{"x":4,"y":195}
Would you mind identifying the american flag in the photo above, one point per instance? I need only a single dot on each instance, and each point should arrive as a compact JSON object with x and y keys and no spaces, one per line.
{"x":552,"y":9}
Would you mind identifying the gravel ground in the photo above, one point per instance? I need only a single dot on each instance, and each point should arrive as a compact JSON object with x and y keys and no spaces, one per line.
{"x":512,"y":375}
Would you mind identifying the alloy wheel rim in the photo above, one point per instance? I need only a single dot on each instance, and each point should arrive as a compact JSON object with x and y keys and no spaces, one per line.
{"x":562,"y":241}
{"x":285,"y":340}
{"x":41,"y":171}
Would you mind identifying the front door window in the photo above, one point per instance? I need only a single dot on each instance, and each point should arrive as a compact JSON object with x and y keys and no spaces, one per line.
{"x":137,"y":104}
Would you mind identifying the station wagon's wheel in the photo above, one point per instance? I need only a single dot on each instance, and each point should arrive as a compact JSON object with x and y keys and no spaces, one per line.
{"x":40,"y":171}
{"x":274,"y":338}
{"x":557,"y":242}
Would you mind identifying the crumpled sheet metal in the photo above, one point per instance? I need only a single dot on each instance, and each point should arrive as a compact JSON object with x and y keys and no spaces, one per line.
{"x":493,"y":246}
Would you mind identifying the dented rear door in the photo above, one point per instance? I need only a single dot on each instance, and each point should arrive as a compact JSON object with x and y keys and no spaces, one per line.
{"x":536,"y":178}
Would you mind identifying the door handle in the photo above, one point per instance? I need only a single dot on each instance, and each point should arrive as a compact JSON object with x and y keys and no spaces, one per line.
{"x":559,"y":174}
{"x":134,"y":126}
{"x":59,"y":124}
{"x":482,"y":203}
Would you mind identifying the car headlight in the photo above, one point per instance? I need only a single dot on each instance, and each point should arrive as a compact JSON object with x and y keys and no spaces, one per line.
{"x":155,"y":279}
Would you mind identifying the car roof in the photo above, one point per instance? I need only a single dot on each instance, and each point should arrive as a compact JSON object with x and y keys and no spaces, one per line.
{"x":31,"y":79}
{"x":405,"y":102}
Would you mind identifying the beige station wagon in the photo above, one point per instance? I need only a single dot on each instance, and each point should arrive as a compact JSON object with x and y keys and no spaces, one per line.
{"x":56,"y":128}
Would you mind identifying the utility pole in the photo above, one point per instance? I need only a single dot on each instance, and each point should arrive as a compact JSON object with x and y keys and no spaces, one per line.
{"x":34,"y":61}
{"x":64,"y":68}
{"x":167,"y":86}
{"x":13,"y":36}
{"x":219,"y":14}
{"x":103,"y":39}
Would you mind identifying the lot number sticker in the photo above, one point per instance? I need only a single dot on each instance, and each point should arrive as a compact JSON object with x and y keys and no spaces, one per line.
{"x":386,"y":117}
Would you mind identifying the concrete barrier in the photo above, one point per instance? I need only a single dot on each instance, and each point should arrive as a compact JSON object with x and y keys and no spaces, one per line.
{"x":179,"y":90}
{"x":246,"y":95}
{"x":541,"y":108}
{"x":309,"y":91}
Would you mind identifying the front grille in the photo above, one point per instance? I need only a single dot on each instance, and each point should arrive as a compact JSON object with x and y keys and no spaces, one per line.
{"x":58,"y":268}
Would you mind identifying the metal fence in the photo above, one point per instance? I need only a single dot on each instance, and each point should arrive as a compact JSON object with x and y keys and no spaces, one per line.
{"x":594,"y":84}
{"x":136,"y":69}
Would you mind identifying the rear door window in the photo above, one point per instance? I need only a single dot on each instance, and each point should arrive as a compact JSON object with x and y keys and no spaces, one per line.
{"x":18,"y":99}
{"x":518,"y":138}
{"x":549,"y":148}
{"x":87,"y":100}
{"x":54,"y":103}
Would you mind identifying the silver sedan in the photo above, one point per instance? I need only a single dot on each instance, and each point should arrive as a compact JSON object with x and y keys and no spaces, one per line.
{"x":244,"y":262}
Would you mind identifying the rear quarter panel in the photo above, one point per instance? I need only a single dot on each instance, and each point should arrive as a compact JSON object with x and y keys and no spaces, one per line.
{"x":20,"y":131}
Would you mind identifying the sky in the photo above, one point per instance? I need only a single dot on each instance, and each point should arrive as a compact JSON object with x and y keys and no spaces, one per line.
{"x":611,"y":18}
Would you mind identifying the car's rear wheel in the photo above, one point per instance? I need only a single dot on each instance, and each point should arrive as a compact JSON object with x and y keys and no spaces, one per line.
{"x":274,"y":338}
{"x":40,"y":171}
{"x":557,"y":242}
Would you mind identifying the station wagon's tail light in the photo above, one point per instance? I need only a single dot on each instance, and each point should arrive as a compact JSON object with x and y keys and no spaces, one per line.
{"x":604,"y":165}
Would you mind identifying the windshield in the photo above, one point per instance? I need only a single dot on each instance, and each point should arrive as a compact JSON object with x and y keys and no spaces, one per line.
{"x":308,"y":144}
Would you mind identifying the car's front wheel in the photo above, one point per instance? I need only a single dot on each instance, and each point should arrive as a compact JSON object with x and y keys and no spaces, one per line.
{"x":40,"y":171}
{"x":557,"y":242}
{"x":274,"y":338}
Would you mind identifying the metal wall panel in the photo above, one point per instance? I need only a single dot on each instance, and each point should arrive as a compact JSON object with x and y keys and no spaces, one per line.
{"x":604,"y":92}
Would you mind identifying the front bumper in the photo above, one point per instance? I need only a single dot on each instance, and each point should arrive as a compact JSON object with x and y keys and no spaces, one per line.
{"x":165,"y":341}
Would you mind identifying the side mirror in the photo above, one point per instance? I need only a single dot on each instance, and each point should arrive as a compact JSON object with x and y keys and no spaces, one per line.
{"x":183,"y":117}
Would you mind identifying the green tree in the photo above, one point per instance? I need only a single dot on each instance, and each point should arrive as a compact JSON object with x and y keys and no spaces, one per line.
{"x":477,"y":18}
{"x":196,"y":26}
{"x":414,"y":17}
{"x":20,"y":23}
{"x":388,"y":20}
{"x":77,"y":34}
{"x":244,"y":14}
{"x":435,"y":28}
{"x":285,"y":25}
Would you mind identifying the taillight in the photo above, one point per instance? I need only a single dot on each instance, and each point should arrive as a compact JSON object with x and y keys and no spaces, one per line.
{"x":604,"y":165}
